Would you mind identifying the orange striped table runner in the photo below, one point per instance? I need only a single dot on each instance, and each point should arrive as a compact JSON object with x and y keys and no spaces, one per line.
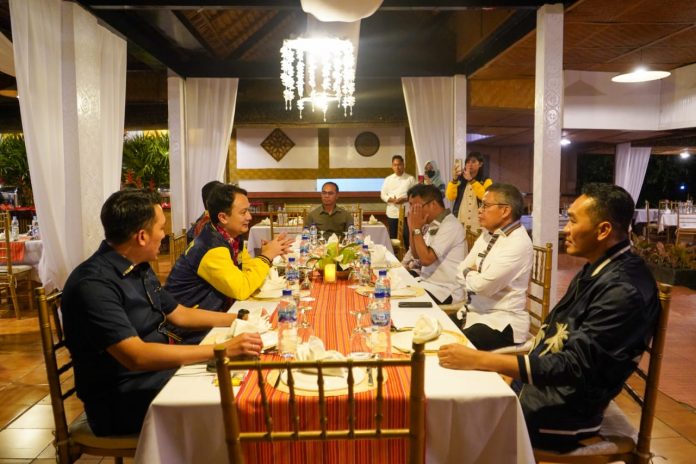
{"x":16,"y":252}
{"x":333,"y":323}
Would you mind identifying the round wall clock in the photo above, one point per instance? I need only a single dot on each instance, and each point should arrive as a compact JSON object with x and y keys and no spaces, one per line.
{"x":367,"y":143}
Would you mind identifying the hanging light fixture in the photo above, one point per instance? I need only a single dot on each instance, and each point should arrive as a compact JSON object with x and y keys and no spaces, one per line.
{"x":640,"y":75}
{"x":318,"y":71}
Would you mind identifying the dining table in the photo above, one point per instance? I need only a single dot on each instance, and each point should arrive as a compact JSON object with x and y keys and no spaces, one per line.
{"x":27,"y":252}
{"x":471,"y":416}
{"x":378,"y":233}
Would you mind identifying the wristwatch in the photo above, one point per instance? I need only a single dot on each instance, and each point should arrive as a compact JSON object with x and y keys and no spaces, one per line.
{"x":417,"y":232}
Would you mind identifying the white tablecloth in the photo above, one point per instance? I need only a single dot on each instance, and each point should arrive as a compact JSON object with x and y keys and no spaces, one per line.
{"x":640,"y":217}
{"x":378,"y":233}
{"x":667,"y":220}
{"x":32,"y":255}
{"x":471,"y":417}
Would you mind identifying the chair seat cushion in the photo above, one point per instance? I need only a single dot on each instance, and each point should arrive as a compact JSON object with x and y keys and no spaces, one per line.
{"x":16,"y":268}
{"x":81,"y":433}
{"x":617,"y":436}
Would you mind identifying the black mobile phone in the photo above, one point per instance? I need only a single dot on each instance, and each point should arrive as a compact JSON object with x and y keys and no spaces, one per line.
{"x":415,"y":304}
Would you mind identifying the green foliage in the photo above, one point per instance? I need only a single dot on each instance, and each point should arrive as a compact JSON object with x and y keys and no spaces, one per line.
{"x":334,"y":253}
{"x":14,"y":167}
{"x":146,"y":160}
{"x":671,"y":255}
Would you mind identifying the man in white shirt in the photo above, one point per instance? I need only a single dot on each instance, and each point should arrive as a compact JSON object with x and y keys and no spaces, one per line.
{"x":495,"y":273}
{"x":437,"y":244}
{"x":394,"y":194}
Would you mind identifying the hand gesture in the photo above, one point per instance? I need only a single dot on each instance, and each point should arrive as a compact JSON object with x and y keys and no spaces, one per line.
{"x":417,"y":218}
{"x":247,"y":344}
{"x":278,"y":246}
{"x":467,"y":174}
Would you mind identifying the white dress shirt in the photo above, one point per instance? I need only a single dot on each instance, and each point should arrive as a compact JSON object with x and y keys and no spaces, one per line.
{"x":499,"y":280}
{"x":396,"y":186}
{"x":446,"y":239}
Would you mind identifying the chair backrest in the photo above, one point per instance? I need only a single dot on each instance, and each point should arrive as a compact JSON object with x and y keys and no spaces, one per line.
{"x":234,"y":437}
{"x":53,"y":343}
{"x":5,"y":247}
{"x":289,"y":221}
{"x":539,"y":292}
{"x":400,"y":225}
{"x":177,"y":245}
{"x":686,"y":228}
{"x":651,"y":377}
{"x":357,"y":214}
{"x":471,"y":237}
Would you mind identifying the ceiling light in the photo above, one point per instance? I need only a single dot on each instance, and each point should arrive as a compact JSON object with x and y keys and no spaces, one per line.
{"x":640,"y":75}
{"x":318,"y":71}
{"x":565,"y":141}
{"x":684,"y":155}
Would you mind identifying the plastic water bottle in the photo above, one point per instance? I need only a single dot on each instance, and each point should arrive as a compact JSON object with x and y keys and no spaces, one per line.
{"x":304,"y":249}
{"x":380,"y":317}
{"x":365,"y":266}
{"x":292,"y":277}
{"x":35,"y":227}
{"x":287,"y":325}
{"x":14,"y":228}
{"x":350,"y":234}
{"x":313,"y":235}
{"x":359,"y":237}
{"x":383,"y":285}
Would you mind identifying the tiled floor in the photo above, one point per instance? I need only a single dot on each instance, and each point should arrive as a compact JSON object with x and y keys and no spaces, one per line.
{"x":26,"y":422}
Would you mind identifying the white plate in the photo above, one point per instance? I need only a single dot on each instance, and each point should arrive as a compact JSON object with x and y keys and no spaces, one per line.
{"x":403,"y":341}
{"x":307,"y":381}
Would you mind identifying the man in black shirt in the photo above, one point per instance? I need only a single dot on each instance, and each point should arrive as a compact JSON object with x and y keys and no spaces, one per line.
{"x":113,"y":314}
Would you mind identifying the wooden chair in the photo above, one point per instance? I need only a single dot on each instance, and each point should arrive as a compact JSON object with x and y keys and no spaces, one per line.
{"x":652,"y":226}
{"x":398,"y":242}
{"x":14,"y":278}
{"x":24,"y":224}
{"x":618,"y":437}
{"x":471,"y":237}
{"x":294,"y":222}
{"x":357,"y":213}
{"x":686,"y":228}
{"x":538,"y":296}
{"x":74,"y":440}
{"x":177,"y":245}
{"x":234,"y":437}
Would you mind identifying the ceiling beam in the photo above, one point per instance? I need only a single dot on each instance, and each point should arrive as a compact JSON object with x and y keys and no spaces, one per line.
{"x":257,"y":35}
{"x":194,"y":32}
{"x":295,"y":4}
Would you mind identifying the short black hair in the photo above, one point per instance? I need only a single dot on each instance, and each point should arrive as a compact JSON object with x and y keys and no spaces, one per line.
{"x":126,"y":212}
{"x":330,"y":183}
{"x":221,"y":199}
{"x":509,"y":195}
{"x":610,"y":203}
{"x":427,"y":192}
{"x":476,"y":155}
{"x":207,"y":188}
{"x":398,"y":157}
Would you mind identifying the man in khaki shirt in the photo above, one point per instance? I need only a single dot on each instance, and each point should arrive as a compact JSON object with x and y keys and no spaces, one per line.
{"x":330,"y":218}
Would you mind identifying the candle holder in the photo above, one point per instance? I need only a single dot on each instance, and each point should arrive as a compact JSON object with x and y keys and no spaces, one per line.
{"x":330,"y":273}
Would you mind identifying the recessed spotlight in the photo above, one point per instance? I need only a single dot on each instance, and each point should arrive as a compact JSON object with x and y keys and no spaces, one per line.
{"x":684,"y":155}
{"x":565,"y":141}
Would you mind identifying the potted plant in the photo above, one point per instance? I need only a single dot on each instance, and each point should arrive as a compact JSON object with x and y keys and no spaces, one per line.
{"x":342,"y":256}
{"x":672,"y":263}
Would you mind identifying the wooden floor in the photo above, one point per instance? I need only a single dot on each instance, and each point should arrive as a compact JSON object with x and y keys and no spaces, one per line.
{"x":26,"y":422}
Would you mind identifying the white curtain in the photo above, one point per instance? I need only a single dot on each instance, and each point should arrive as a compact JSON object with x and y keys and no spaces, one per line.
{"x":430,"y":109}
{"x":67,"y":70}
{"x":209,"y":111}
{"x":631,"y":163}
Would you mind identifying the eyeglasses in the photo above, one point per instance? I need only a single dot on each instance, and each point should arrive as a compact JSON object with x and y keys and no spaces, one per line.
{"x":485,"y":206}
{"x":422,"y":204}
{"x":328,"y":193}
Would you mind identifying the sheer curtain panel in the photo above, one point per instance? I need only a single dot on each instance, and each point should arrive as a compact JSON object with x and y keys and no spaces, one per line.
{"x":209,"y":116}
{"x":71,"y":81}
{"x":430,"y":109}
{"x":631,"y":165}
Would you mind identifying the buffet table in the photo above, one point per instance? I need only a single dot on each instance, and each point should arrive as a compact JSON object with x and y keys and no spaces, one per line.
{"x":470,"y":416}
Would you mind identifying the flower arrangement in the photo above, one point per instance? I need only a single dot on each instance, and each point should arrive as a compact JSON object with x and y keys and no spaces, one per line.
{"x":343,"y":256}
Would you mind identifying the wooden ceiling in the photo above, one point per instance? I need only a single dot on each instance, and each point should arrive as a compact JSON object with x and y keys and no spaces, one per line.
{"x":491,"y":41}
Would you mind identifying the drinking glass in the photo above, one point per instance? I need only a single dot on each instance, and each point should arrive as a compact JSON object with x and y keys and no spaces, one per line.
{"x":354,"y":276}
{"x":304,"y":328}
{"x":306,"y":284}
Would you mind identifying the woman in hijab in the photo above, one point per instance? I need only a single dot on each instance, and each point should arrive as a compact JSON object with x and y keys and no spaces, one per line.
{"x":432,"y":176}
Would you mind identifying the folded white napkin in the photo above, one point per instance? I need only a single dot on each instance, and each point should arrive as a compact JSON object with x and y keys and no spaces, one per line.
{"x":265,"y":222}
{"x":368,"y":241}
{"x":294,"y":222}
{"x":273,"y":283}
{"x":397,"y":283}
{"x":426,"y":328}
{"x":373,"y":220}
{"x":378,"y":256}
{"x":333,"y":239}
{"x":314,"y":350}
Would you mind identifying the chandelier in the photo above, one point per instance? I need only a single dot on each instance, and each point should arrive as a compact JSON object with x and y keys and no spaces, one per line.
{"x":319,"y":71}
